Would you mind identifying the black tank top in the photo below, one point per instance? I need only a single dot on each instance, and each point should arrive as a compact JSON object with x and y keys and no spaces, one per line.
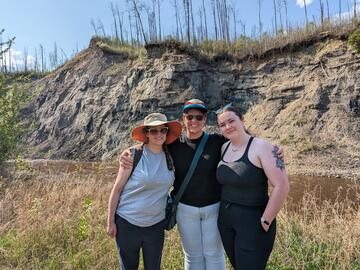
{"x":242,"y":182}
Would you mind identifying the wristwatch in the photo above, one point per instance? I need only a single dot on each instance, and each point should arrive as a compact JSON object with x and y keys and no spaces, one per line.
{"x":263,"y":220}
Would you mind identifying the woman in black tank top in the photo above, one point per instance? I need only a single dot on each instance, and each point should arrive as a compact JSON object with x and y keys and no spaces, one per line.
{"x":247,"y":214}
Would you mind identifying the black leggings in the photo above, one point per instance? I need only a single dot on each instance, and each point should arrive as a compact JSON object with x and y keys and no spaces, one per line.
{"x":130,"y":238}
{"x":246,"y":243}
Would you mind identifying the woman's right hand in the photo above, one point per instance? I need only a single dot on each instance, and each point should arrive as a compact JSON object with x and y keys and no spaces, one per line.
{"x":111,"y":229}
{"x":125,"y":160}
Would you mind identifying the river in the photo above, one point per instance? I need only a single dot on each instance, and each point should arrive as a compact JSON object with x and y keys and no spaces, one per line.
{"x":324,"y":188}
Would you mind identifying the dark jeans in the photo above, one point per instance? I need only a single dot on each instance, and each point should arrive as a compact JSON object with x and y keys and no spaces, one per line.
{"x":246,"y":243}
{"x":131,"y":238}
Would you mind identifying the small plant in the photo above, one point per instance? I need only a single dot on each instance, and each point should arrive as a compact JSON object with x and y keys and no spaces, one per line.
{"x":354,"y":40}
{"x":84,"y":221}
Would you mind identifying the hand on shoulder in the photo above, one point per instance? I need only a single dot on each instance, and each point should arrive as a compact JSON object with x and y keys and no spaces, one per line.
{"x":125,"y":159}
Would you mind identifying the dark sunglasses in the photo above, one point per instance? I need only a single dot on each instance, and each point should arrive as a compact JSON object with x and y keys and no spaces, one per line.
{"x":221,"y":110}
{"x":198,"y":117}
{"x":155,"y":131}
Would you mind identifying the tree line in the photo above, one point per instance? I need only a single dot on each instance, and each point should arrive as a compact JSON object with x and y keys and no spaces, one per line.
{"x":139,"y":22}
{"x":40,"y":60}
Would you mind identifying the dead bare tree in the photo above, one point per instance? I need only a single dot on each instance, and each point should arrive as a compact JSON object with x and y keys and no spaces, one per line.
{"x":113,"y":11}
{"x":159,"y":18}
{"x":101,"y":27}
{"x":227,"y":20}
{"x":322,"y":13}
{"x":4,"y":48}
{"x":328,"y":9}
{"x":223,"y":18}
{"x":355,"y":15}
{"x":36,"y":62}
{"x":152,"y":25}
{"x":280,"y":5}
{"x":120,"y":23}
{"x":233,"y":9}
{"x":286,"y":15}
{"x":154,"y":16}
{"x":140,"y":27}
{"x":42,"y":58}
{"x":243,"y":26}
{"x":192,"y":21}
{"x":221,"y":30}
{"x":10,"y":57}
{"x":25,"y":59}
{"x":275,"y":17}
{"x":306,"y":14}
{"x":340,"y":15}
{"x":92,"y":22}
{"x":213,"y":6}
{"x":64,"y":56}
{"x":186,"y":5}
{"x":205,"y":20}
{"x":130,"y":21}
{"x":53,"y":57}
{"x":259,"y":2}
{"x":137,"y":31}
{"x":176,"y":19}
{"x":200,"y":28}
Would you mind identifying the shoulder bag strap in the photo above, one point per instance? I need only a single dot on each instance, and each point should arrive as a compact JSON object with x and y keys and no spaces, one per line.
{"x":192,"y":167}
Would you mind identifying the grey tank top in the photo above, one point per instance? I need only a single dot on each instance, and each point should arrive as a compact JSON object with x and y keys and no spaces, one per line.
{"x":143,"y":199}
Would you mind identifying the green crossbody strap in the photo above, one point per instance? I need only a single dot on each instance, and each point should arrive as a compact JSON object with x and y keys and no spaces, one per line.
{"x":191,"y":170}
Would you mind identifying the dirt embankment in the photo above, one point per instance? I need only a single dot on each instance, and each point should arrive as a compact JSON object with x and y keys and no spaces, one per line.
{"x":306,"y":101}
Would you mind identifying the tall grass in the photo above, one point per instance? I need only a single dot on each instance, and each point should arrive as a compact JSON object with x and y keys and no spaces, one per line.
{"x":59,"y":222}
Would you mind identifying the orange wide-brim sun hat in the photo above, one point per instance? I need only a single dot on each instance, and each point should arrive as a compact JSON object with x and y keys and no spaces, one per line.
{"x":157,"y":119}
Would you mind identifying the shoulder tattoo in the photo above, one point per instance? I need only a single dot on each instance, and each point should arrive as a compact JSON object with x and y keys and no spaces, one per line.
{"x":278,"y":160}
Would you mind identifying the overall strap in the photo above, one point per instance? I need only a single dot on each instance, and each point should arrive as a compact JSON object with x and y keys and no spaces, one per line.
{"x":223,"y":153}
{"x":248,"y":146}
{"x":192,"y":167}
{"x":136,"y":152}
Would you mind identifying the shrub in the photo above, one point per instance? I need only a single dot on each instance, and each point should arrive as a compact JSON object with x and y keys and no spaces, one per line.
{"x":354,"y":40}
{"x":11,"y":100}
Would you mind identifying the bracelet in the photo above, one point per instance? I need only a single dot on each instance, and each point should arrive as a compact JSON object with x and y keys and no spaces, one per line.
{"x":265,"y":221}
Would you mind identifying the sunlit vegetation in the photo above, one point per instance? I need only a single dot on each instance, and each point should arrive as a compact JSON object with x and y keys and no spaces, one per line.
{"x":58,"y":221}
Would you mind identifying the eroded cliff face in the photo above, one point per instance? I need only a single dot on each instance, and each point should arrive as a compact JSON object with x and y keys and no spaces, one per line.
{"x":309,"y":102}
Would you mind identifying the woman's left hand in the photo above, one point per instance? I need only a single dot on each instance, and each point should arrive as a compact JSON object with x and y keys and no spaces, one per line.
{"x":280,"y":152}
{"x":264,"y":225}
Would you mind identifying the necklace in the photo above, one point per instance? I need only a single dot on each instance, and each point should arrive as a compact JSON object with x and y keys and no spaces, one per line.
{"x":234,"y":149}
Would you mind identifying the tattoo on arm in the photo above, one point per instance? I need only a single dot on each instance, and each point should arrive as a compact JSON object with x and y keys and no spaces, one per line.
{"x":279,"y":161}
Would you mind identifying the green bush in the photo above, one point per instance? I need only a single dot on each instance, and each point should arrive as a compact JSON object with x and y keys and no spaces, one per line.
{"x":12,"y":99}
{"x":354,"y":40}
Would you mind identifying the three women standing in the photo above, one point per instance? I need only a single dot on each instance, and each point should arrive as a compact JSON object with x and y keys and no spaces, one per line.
{"x":197,"y":215}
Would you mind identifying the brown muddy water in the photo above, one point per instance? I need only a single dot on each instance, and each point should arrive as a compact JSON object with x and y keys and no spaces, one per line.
{"x":323,"y":188}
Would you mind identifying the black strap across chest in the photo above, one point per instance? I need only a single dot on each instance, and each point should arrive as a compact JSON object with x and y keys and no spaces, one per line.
{"x":246,"y":149}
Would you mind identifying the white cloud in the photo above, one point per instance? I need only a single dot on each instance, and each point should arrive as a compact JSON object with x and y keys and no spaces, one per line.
{"x":301,"y":2}
{"x":17,"y":60}
{"x":348,"y":15}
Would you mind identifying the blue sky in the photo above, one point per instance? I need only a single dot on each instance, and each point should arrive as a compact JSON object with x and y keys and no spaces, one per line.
{"x":67,"y":22}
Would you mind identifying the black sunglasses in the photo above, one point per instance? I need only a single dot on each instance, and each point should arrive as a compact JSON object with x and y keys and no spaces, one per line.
{"x":198,"y":117}
{"x":155,"y":131}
